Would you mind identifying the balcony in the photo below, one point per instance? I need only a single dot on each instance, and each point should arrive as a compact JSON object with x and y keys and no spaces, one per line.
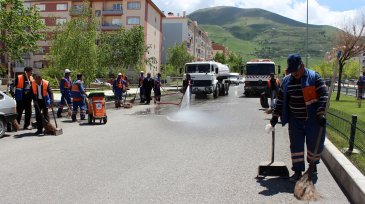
{"x":112,"y":12}
{"x":109,"y":26}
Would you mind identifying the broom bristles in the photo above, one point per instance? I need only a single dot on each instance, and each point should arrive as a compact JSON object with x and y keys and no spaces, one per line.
{"x":304,"y":189}
{"x":49,"y":128}
{"x":15,"y":125}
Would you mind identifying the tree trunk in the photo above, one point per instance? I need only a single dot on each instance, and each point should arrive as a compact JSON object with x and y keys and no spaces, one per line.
{"x":339,"y":82}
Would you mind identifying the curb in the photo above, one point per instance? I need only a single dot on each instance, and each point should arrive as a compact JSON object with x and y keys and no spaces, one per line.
{"x":348,"y":176}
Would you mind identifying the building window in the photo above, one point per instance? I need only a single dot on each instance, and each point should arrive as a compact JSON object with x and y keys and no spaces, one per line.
{"x":61,"y":7}
{"x":38,"y":64}
{"x":133,"y":21}
{"x":117,"y":7}
{"x":27,"y":6}
{"x":40,"y":7}
{"x":97,"y":13}
{"x":61,"y":21}
{"x":134,"y":5}
{"x":117,"y":21}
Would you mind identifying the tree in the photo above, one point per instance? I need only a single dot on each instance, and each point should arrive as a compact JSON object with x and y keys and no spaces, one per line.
{"x":74,"y":45}
{"x":351,"y":42}
{"x":235,"y":62}
{"x":122,"y":49}
{"x":19,"y":30}
{"x":178,"y":56}
{"x":220,"y":57}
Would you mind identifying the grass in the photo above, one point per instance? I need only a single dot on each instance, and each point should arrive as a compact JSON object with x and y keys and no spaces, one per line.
{"x":346,"y":107}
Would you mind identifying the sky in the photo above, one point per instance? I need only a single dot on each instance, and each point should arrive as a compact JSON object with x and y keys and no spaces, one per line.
{"x":321,"y":12}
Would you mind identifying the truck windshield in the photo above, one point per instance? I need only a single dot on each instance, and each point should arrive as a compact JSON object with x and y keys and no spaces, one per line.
{"x":260,"y":69}
{"x":197,"y":68}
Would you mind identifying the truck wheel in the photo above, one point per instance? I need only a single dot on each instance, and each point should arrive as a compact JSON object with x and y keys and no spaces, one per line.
{"x":105,"y":119}
{"x":216,"y":91}
{"x":227,"y":89}
{"x":2,"y":127}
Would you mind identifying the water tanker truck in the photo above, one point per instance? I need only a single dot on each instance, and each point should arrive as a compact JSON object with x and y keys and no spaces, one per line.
{"x":208,"y":77}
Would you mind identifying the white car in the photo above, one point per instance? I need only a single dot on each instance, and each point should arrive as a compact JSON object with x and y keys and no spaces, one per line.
{"x":234,"y":78}
{"x":99,"y":82}
{"x":7,"y":112}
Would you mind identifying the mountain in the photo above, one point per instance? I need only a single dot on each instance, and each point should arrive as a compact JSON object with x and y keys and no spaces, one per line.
{"x":260,"y":33}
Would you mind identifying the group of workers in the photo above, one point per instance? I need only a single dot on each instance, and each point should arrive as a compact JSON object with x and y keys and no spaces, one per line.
{"x":29,"y":87}
{"x":145,"y":86}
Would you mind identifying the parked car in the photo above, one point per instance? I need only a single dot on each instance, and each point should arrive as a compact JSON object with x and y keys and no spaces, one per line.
{"x":234,"y":78}
{"x":7,"y":111}
{"x":100,"y":82}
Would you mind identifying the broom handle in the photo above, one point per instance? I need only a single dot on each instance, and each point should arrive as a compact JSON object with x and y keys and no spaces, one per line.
{"x":272,"y":146}
{"x":311,"y":165}
{"x":54,"y":117}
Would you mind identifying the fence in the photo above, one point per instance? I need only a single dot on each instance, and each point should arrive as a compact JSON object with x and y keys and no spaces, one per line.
{"x":348,"y":127}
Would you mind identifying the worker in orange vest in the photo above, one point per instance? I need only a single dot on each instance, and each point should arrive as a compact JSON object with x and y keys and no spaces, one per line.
{"x":23,"y":96}
{"x":43,"y":99}
{"x":273,"y":85}
{"x":118,"y":89}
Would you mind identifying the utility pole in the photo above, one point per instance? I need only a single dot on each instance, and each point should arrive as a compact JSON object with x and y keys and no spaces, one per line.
{"x":306,"y":55}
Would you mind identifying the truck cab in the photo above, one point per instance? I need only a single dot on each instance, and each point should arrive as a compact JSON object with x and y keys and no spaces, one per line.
{"x":257,"y":74}
{"x":208,"y":77}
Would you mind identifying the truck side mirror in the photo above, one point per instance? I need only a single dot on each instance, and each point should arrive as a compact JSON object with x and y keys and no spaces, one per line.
{"x":279,"y":69}
{"x":216,"y":70}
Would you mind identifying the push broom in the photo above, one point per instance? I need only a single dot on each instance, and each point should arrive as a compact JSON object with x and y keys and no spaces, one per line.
{"x":304,"y":188}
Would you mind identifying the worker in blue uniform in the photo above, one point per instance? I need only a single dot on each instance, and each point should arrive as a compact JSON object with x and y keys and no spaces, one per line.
{"x":301,"y":103}
{"x":65,"y":88}
{"x":78,"y":98}
{"x":118,"y":89}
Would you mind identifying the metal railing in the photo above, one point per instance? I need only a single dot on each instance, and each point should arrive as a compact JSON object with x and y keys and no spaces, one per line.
{"x":348,"y":127}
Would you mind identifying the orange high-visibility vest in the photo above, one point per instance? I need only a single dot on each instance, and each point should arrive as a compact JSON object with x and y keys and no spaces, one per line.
{"x":44,"y":88}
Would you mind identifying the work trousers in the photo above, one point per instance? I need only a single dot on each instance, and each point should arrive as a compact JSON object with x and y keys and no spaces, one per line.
{"x":24,"y":105}
{"x":301,"y":132}
{"x":76,"y":105}
{"x":65,"y":100}
{"x":41,"y":110}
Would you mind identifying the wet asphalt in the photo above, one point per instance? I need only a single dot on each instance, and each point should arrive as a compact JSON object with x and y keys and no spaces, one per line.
{"x":207,"y":153}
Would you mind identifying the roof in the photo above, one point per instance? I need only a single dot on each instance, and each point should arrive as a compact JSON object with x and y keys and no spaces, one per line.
{"x":155,"y":7}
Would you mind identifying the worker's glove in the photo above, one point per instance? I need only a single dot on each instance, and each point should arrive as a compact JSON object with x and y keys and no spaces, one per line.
{"x":322,"y":120}
{"x":274,"y":120}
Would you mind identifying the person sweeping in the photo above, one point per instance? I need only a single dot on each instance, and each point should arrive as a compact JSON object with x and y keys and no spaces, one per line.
{"x":302,"y":103}
{"x":43,"y":99}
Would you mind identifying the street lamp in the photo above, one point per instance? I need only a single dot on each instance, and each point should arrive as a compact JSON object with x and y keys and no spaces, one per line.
{"x":306,"y":54}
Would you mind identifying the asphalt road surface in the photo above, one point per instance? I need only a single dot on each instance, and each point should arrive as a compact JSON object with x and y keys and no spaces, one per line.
{"x":155,"y":154}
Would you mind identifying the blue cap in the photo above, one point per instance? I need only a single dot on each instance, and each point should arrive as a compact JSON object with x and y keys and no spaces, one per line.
{"x":294,"y":62}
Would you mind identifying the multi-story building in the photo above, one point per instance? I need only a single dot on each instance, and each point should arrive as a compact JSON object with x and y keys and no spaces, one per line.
{"x":112,"y":14}
{"x":219,"y":48}
{"x":180,"y":29}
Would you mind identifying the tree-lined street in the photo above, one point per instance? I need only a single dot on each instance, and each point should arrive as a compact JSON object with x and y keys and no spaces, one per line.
{"x":155,"y":154}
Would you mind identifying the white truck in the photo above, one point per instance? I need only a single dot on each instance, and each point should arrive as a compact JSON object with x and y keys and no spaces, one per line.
{"x":208,"y":77}
{"x":257,"y":73}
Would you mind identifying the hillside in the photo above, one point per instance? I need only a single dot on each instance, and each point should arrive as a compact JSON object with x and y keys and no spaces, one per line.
{"x":260,"y":33}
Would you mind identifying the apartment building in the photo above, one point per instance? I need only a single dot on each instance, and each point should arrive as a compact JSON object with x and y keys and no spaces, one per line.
{"x":180,"y":29}
{"x":111,"y":14}
{"x":219,"y":48}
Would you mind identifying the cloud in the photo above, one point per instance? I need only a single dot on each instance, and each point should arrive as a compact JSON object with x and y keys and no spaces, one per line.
{"x":294,"y":9}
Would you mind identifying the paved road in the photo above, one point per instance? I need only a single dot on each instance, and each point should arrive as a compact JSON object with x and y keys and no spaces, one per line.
{"x":155,"y":154}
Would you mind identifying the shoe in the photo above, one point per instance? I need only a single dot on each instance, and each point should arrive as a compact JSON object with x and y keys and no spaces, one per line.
{"x":295,"y":177}
{"x":27,"y":128}
{"x":39,"y":133}
{"x":315,"y":170}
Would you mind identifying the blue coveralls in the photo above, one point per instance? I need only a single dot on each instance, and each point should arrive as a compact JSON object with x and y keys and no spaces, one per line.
{"x":303,"y":131}
{"x":78,"y":100}
{"x":65,"y":88}
{"x":118,"y":85}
